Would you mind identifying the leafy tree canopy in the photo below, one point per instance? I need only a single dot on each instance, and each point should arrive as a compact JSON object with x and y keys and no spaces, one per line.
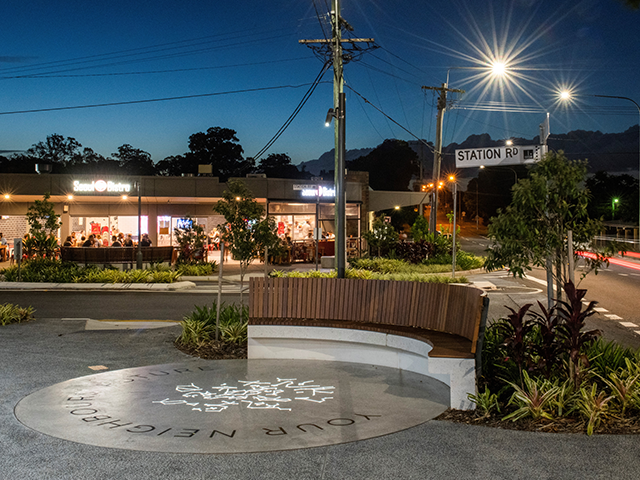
{"x":278,"y":165}
{"x":545,"y":206}
{"x":219,"y":148}
{"x":246,"y":231}
{"x":390,"y":165}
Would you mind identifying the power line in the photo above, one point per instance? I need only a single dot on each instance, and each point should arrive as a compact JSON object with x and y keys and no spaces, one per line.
{"x":160,"y":71}
{"x":388,"y":117}
{"x":286,"y":124}
{"x":151,"y":100}
{"x":130,"y":52}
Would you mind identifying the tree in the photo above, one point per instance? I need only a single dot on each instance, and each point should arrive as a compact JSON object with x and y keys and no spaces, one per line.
{"x":134,"y":161}
{"x":171,"y":166}
{"x":55,"y":149}
{"x":190,"y":237}
{"x":219,"y":148}
{"x":390,"y":165}
{"x":43,"y":226}
{"x":382,"y":236}
{"x":246,"y":231}
{"x":545,"y":206}
{"x":278,"y":165}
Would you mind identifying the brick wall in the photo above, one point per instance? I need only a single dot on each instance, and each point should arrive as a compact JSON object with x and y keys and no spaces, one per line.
{"x":13,"y":227}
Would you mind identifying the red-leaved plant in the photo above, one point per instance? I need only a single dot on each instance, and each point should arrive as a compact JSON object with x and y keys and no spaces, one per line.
{"x":570,"y":329}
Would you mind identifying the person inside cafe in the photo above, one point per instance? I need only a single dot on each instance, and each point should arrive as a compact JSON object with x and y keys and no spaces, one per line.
{"x":4,"y":248}
{"x":145,"y":241}
{"x":115,"y":241}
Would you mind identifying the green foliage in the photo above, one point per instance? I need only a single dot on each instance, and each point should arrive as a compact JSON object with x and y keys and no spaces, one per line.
{"x":545,"y":366}
{"x":10,"y":313}
{"x":594,"y":405}
{"x":197,"y":270}
{"x":382,"y":236}
{"x":246,"y":231}
{"x":191,"y":238}
{"x":43,"y":226}
{"x":370,"y":275}
{"x":199,"y":327}
{"x":47,"y":270}
{"x":605,"y":357}
{"x":534,"y":227}
{"x":420,"y":229}
{"x":534,"y":399}
{"x":486,"y":402}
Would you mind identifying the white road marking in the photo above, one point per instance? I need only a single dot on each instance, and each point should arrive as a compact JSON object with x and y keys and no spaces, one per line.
{"x":628,"y":324}
{"x":613,"y":317}
{"x":600,"y":309}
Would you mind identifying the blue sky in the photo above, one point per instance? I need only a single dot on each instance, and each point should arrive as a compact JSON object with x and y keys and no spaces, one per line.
{"x":75,"y":53}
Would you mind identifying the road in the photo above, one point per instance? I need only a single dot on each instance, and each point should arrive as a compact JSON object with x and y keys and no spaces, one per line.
{"x":616,"y":289}
{"x":120,"y":305}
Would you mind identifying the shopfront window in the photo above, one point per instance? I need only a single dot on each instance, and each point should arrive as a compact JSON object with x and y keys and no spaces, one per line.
{"x":295,"y":224}
{"x":106,"y":227}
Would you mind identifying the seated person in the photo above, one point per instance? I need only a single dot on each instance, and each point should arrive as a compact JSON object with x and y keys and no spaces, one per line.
{"x":68,"y":242}
{"x":89,"y":242}
{"x":115,"y":242}
{"x":128,"y":242}
{"x":146,"y":241}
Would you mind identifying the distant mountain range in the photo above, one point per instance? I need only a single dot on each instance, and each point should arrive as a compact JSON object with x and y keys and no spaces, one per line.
{"x":612,"y":152}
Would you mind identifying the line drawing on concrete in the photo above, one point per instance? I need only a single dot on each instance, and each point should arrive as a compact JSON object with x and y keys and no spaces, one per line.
{"x":252,"y":394}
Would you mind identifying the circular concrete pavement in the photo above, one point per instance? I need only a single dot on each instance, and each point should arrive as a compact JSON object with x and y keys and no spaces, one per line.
{"x":234,"y":406}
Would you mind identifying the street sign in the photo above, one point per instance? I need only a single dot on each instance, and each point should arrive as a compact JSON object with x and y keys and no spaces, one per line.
{"x":512,"y":155}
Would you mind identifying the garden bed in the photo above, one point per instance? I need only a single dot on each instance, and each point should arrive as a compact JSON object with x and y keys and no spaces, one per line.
{"x":616,"y":426}
{"x":213,"y":350}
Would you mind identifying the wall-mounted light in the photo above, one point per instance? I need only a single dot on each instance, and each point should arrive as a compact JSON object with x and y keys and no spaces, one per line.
{"x":69,"y":197}
{"x":330,"y":115}
{"x":7,"y":196}
{"x":124,"y":197}
{"x":65,"y":209}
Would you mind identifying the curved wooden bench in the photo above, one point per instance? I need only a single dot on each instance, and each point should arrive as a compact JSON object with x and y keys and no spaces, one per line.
{"x":431,"y":329}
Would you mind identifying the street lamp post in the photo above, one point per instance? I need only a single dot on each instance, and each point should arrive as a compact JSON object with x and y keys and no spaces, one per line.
{"x":614,"y":202}
{"x":453,"y":250}
{"x":566,"y":96}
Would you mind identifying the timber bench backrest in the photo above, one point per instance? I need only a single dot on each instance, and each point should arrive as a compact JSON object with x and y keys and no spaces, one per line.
{"x":455,"y":309}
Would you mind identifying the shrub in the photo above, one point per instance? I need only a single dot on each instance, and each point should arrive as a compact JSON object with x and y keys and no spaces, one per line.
{"x":196,"y":270}
{"x":10,"y":313}
{"x":199,"y":327}
{"x":369,"y":275}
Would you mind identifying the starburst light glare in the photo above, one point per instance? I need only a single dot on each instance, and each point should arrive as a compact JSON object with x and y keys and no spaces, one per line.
{"x":498,"y":69}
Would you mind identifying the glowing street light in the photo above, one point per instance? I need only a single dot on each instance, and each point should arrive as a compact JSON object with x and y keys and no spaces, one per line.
{"x":452,"y":179}
{"x":566,"y":96}
{"x":614,"y":202}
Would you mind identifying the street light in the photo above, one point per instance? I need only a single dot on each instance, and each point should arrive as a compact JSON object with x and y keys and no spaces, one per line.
{"x":614,"y":202}
{"x":453,"y":250}
{"x":566,"y":95}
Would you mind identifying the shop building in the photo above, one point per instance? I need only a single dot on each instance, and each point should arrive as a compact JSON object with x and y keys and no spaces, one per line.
{"x":108,"y":205}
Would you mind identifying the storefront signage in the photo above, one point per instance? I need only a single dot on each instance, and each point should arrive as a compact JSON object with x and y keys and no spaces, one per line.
{"x":513,"y":155}
{"x":101,"y":186}
{"x":315,"y":190}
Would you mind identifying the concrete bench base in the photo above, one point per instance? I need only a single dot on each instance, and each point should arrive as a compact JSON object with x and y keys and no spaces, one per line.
{"x":328,"y":262}
{"x":359,"y":346}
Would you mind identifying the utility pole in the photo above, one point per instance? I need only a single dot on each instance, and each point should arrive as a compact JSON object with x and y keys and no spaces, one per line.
{"x":336,"y":51}
{"x":437,"y":154}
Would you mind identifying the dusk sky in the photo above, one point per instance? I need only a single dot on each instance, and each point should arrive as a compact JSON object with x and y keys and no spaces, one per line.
{"x":246,"y":57}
